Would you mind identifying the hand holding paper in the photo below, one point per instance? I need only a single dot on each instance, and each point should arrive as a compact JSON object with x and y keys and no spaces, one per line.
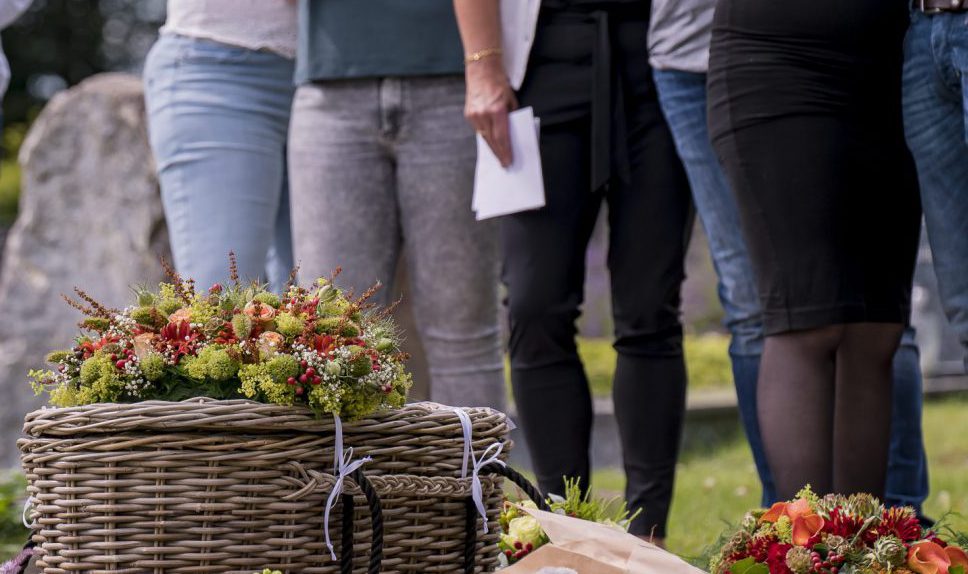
{"x":520,"y":186}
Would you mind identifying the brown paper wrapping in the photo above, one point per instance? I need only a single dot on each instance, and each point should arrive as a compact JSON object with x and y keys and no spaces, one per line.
{"x":591,"y":548}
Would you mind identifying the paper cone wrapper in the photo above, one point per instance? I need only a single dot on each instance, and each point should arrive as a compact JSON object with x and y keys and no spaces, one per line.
{"x":591,"y":548}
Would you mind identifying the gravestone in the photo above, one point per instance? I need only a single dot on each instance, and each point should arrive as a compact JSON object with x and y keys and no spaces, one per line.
{"x":90,"y":215}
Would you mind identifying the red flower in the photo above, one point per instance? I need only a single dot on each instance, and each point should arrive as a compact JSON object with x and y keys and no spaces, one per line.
{"x":776,"y":559}
{"x":900,"y":523}
{"x":843,"y":525}
{"x":323,"y":344}
{"x":179,"y":339}
{"x":758,"y":549}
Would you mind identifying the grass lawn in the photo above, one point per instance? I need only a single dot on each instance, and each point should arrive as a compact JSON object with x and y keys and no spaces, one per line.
{"x":716,"y":485}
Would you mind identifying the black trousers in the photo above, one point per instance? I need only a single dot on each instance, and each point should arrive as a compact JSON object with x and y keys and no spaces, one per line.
{"x":649,"y":218}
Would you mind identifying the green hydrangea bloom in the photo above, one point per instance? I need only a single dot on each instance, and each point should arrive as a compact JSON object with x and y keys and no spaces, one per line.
{"x":784,"y":529}
{"x":288,"y":325}
{"x":268,"y":379}
{"x":100,"y":380}
{"x":153,"y":366}
{"x":360,"y":365}
{"x":168,"y":306}
{"x":328,"y":325}
{"x":323,"y":398}
{"x":360,"y":402}
{"x":267,"y":298}
{"x":215,"y":363}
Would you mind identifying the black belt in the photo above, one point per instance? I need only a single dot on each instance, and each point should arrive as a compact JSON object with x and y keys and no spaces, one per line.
{"x":938,"y":6}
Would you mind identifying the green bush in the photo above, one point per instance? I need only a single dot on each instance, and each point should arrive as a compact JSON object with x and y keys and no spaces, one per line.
{"x":9,"y":191}
{"x":12,"y":531}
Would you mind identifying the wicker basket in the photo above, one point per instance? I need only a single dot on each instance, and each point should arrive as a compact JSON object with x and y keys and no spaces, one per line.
{"x":205,"y":486}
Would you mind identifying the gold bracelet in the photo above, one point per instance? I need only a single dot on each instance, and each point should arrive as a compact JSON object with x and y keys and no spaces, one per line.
{"x":482,"y":54}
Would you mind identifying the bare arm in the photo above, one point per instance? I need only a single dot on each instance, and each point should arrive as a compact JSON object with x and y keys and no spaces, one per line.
{"x":489,"y":94}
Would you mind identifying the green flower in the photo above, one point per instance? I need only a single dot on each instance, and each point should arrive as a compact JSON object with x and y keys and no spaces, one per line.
{"x":99,"y":324}
{"x":360,"y":363}
{"x":889,"y":552}
{"x":289,"y":325}
{"x":267,"y":298}
{"x":215,"y":363}
{"x":153,"y":366}
{"x":241,"y":326}
{"x":149,"y":316}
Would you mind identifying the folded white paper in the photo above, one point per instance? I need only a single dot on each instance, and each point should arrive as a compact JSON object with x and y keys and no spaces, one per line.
{"x":520,"y":186}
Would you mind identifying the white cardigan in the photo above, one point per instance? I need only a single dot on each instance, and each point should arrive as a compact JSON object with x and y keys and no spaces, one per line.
{"x":518,"y":21}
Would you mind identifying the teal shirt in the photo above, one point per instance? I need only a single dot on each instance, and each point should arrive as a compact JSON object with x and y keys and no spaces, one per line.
{"x":377,"y":38}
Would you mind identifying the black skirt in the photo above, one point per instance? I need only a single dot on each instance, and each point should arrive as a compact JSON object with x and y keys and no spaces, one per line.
{"x":805,"y":115}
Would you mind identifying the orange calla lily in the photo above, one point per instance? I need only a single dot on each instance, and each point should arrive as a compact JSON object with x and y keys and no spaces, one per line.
{"x":805,"y":527}
{"x":806,"y":523}
{"x":957,"y":557}
{"x":930,"y":558}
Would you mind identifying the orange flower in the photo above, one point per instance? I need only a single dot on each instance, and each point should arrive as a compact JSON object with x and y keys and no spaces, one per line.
{"x":144,"y":344}
{"x":930,"y":558}
{"x":183,"y":314}
{"x":269,"y":343}
{"x":806,"y":523}
{"x":259,"y":311}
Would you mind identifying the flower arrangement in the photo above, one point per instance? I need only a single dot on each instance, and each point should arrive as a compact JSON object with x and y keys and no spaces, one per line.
{"x":521,"y":534}
{"x":315,"y":346}
{"x":836,"y":534}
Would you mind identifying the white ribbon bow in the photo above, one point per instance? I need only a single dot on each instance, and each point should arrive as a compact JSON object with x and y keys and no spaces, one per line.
{"x":28,"y":506}
{"x":477,"y":491}
{"x":344,"y":465}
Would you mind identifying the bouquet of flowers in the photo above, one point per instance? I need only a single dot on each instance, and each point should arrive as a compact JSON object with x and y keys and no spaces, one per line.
{"x":314,"y":346}
{"x":521,"y":534}
{"x":836,"y":534}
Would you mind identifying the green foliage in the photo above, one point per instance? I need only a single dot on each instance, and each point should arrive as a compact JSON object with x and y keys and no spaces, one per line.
{"x":749,"y":566}
{"x":9,"y":190}
{"x":707,"y":362}
{"x":241,"y":326}
{"x":12,"y":496}
{"x":153,"y":366}
{"x":149,"y":316}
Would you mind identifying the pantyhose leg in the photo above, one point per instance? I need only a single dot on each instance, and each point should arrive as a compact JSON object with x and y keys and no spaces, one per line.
{"x":862,"y":417}
{"x":796,"y":407}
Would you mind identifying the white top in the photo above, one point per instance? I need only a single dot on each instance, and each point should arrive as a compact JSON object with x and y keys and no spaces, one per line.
{"x":253,"y":24}
{"x":10,"y":10}
{"x":518,"y":21}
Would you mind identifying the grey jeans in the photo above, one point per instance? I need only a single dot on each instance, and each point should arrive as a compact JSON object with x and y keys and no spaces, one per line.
{"x":381,"y":165}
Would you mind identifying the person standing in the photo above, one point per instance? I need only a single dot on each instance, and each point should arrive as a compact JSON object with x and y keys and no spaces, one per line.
{"x":382,"y":162}
{"x":679,"y":53}
{"x":218,"y":91}
{"x":805,"y":115}
{"x":582,"y":66}
{"x":935,"y":108}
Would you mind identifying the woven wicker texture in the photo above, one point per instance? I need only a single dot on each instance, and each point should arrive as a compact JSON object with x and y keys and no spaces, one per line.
{"x":233,"y":486}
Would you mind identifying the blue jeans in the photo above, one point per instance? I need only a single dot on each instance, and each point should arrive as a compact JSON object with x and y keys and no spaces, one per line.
{"x":935,"y":112}
{"x":218,"y":119}
{"x":683,"y":99}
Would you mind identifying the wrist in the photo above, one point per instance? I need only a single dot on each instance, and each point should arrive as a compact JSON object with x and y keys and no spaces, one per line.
{"x":483,"y":55}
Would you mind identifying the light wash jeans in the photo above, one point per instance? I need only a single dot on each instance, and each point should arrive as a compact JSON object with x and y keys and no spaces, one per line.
{"x":218,"y":117}
{"x":683,"y":99}
{"x":936,"y":125}
{"x":387,"y":164}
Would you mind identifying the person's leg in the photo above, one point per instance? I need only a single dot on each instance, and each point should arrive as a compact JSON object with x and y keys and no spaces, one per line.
{"x":650,"y":219}
{"x":279,"y":262}
{"x":343,"y":187}
{"x":452,"y":258}
{"x":543,"y":254}
{"x":683,"y":99}
{"x":795,"y":395}
{"x":935,"y":110}
{"x":218,"y":117}
{"x":907,"y":470}
{"x":862,"y":412}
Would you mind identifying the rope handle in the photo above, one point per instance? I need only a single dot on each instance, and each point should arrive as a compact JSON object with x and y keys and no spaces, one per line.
{"x":376,"y":521}
{"x":18,"y":564}
{"x":470,"y":525}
